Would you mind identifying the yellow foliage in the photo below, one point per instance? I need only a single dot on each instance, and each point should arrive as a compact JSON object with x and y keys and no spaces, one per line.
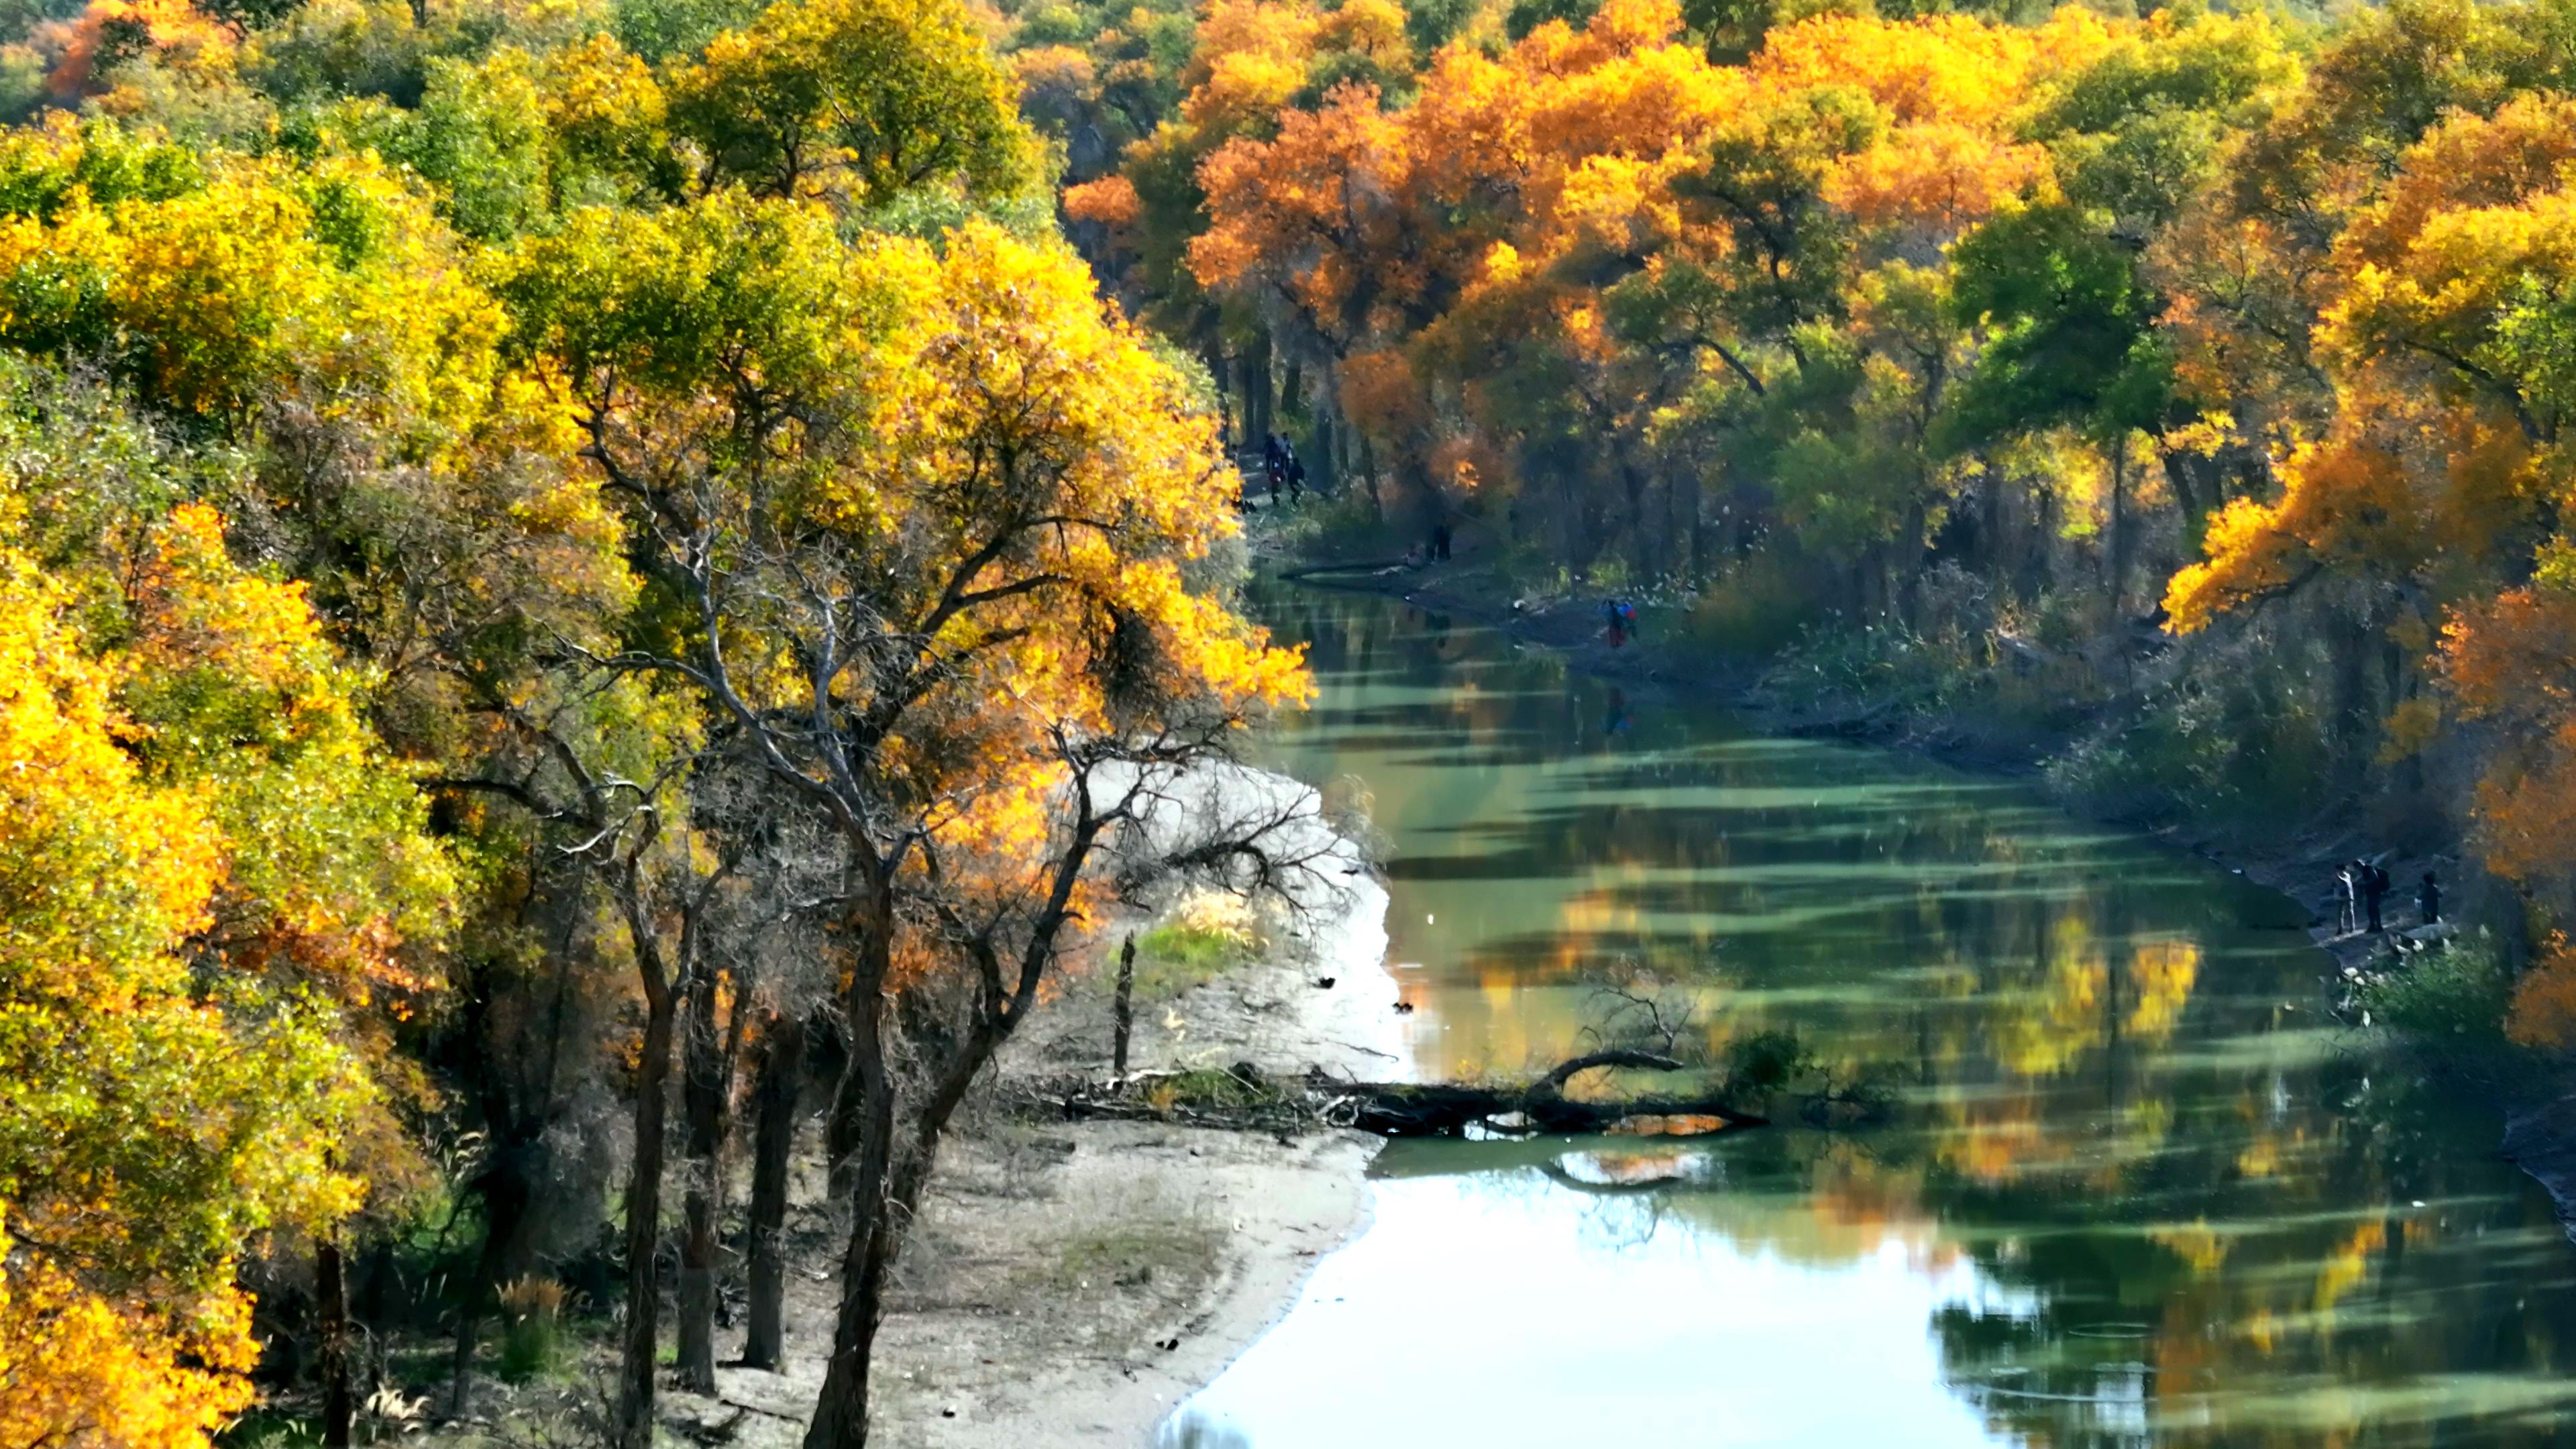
{"x":80,"y":1371}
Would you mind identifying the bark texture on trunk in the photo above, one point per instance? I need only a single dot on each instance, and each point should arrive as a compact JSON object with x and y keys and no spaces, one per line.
{"x":331,"y":1305}
{"x":703,"y":1088}
{"x":1126,"y":1007}
{"x":841,"y":1409}
{"x":782,"y":1073}
{"x":635,"y":1388}
{"x":506,"y":1191}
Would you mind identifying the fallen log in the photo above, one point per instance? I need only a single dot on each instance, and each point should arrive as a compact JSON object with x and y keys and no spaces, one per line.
{"x":1241,"y":1097}
{"x":1434,"y":1109}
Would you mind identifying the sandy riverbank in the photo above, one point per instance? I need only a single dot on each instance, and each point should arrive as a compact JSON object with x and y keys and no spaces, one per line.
{"x":1055,"y":1260}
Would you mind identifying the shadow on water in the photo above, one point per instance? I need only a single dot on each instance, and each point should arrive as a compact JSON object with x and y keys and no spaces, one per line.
{"x":2133,"y":1188}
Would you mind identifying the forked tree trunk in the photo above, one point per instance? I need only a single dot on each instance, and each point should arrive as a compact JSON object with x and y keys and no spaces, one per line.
{"x":782,"y":1073}
{"x":890,"y":1195}
{"x":703,"y":1088}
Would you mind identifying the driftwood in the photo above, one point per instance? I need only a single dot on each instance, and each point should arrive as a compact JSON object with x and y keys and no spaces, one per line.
{"x":1242,"y":1098}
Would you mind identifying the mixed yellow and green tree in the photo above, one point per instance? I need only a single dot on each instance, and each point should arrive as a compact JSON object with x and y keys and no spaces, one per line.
{"x":547,"y":551}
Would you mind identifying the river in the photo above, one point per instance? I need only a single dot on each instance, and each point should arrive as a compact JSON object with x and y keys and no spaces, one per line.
{"x":2132,"y":1186}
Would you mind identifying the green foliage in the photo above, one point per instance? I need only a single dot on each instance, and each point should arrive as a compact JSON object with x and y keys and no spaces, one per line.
{"x":2249,"y":747}
{"x":2453,"y":996}
{"x":1765,"y":1061}
{"x":659,"y":30}
{"x":1528,"y":15}
{"x":2071,"y":340}
{"x":1760,"y":605}
{"x":865,"y":99}
{"x":1430,"y":24}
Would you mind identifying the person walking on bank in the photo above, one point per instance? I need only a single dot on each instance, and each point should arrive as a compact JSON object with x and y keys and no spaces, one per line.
{"x":2374,"y":889}
{"x":2428,"y":899}
{"x":2348,"y":897}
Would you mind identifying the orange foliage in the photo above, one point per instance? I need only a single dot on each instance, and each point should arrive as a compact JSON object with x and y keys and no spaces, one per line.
{"x":2544,"y":1000}
{"x":1938,"y":176}
{"x":1111,"y":201}
{"x":1328,"y":181}
{"x":2468,"y":161}
{"x":180,"y":32}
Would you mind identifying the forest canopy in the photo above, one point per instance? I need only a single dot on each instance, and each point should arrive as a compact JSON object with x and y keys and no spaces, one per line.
{"x":552,"y":551}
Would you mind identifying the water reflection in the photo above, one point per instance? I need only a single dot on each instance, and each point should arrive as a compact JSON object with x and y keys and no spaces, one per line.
{"x":2133,"y":1189}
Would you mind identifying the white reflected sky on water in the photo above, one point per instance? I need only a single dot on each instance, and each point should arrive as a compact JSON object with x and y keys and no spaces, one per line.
{"x":1492,"y":1310}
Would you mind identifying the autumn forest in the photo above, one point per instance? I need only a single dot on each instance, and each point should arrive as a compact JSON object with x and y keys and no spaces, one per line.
{"x":579,"y":572}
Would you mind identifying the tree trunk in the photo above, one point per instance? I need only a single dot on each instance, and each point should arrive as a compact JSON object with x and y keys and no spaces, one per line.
{"x":1368,"y":469}
{"x":2116,"y":550}
{"x":635,"y":1390}
{"x":890,"y":1189}
{"x":703,"y":1089}
{"x":1126,"y":1013}
{"x":1226,"y":431}
{"x":504,"y":1187}
{"x":1258,"y":417}
{"x":331,"y":1302}
{"x":782,"y":1072}
{"x":841,"y":1409}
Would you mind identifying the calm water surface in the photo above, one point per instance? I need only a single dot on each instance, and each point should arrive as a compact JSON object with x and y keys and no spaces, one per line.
{"x":2135,"y":1189}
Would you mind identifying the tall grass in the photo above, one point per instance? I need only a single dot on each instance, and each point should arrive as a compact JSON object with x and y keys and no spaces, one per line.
{"x":533,"y":1334}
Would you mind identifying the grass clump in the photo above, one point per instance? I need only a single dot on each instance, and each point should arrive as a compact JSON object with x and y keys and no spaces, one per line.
{"x":1209,"y":1089}
{"x":1203,"y":937}
{"x":1133,"y":1255}
{"x":2245,"y":749}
